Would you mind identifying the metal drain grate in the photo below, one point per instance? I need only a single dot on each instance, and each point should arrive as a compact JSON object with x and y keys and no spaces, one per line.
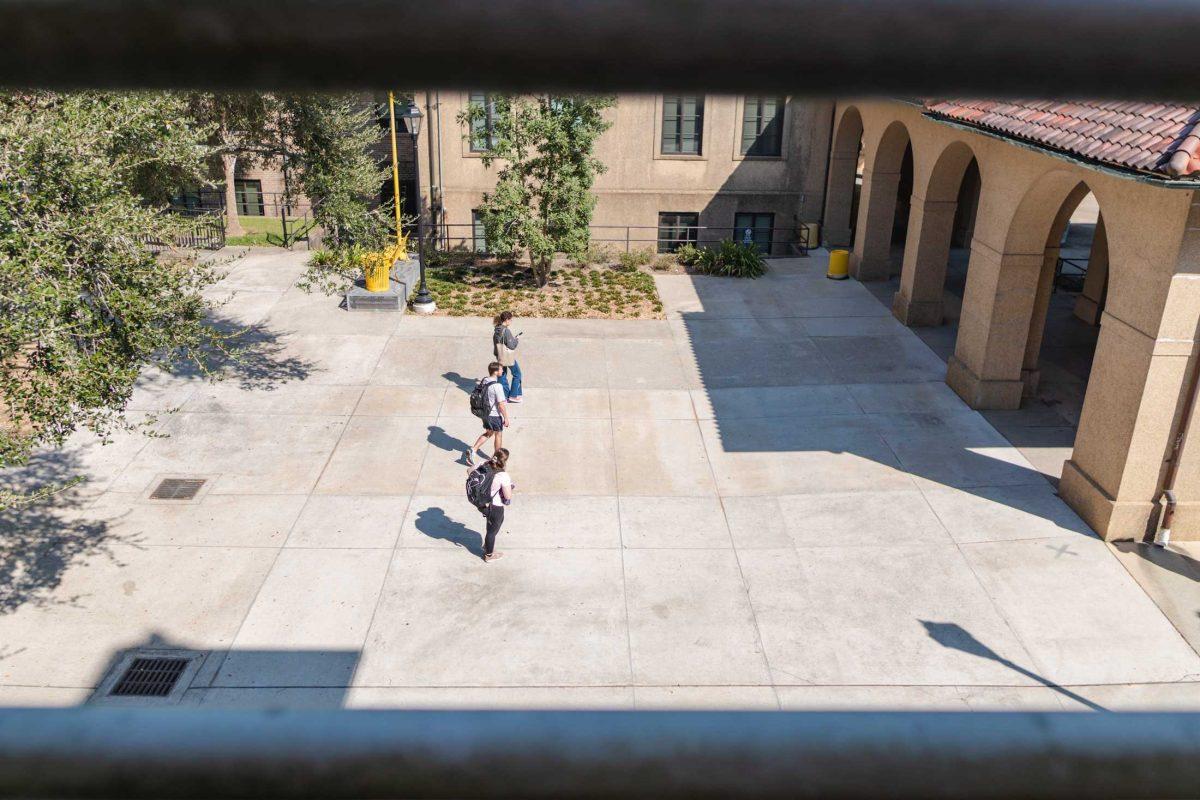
{"x":177,"y":489}
{"x":150,"y":677}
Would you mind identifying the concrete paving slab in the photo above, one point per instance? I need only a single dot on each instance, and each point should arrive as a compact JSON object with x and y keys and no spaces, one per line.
{"x":264,"y":270}
{"x":852,"y":326}
{"x":879,"y":359}
{"x":42,"y":696}
{"x":403,"y":401}
{"x":690,"y":620}
{"x":674,"y":522}
{"x":723,"y":363}
{"x":651,"y":404}
{"x":918,"y":698}
{"x":1080,"y":614}
{"x":266,"y":699}
{"x":1137,"y":697}
{"x":661,"y":457}
{"x":1171,"y":577}
{"x":532,"y":521}
{"x":937,"y":460}
{"x":561,"y":363}
{"x":539,"y":403}
{"x":349,"y":521}
{"x":437,"y":362}
{"x":156,"y":390}
{"x":292,"y":397}
{"x":238,"y":308}
{"x":547,"y":456}
{"x":646,"y":364}
{"x":533,"y":618}
{"x":1004,"y":513}
{"x":773,"y":401}
{"x":322,"y":359}
{"x":861,"y":519}
{"x":756,"y":522}
{"x":315,"y":606}
{"x":719,"y":698}
{"x":128,"y":596}
{"x":484,"y":698}
{"x":216,"y":521}
{"x":377,"y":455}
{"x":887,"y":398}
{"x":200,"y":444}
{"x":303,"y":312}
{"x":915,"y":616}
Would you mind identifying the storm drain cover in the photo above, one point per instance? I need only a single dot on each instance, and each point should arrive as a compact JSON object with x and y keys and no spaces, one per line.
{"x":150,"y":677}
{"x":177,"y":489}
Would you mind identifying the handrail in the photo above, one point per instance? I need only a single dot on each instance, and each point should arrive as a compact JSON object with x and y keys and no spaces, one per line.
{"x":163,"y":753}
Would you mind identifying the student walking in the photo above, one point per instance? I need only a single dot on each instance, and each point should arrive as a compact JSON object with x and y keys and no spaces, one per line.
{"x":490,"y":404}
{"x":490,"y":489}
{"x":504,"y":345}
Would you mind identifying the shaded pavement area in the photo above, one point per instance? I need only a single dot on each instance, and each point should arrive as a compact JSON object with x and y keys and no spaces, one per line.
{"x":767,"y":500}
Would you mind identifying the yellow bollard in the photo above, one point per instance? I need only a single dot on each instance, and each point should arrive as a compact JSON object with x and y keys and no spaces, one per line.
{"x":839,"y":265}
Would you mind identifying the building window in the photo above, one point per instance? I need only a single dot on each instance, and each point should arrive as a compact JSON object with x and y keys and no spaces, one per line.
{"x":754,"y":228}
{"x":483,"y":126}
{"x":676,"y":230}
{"x":479,"y":242}
{"x":762,"y":126}
{"x":682,"y":124}
{"x":249,"y":197}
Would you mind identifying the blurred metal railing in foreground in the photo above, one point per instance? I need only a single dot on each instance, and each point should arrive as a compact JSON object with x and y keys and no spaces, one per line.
{"x":139,"y":753}
{"x":1103,"y":48}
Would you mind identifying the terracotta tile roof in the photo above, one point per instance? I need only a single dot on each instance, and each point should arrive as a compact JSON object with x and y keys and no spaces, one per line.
{"x":1157,"y":138}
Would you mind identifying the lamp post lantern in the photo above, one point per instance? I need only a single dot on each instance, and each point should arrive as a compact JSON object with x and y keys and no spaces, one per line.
{"x":423,"y":301}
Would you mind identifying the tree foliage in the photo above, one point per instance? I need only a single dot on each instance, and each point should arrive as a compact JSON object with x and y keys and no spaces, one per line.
{"x":84,"y":303}
{"x":542,"y":203}
{"x":240,"y":126}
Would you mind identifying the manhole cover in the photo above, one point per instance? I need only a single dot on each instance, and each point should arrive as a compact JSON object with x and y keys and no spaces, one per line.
{"x":177,"y":489}
{"x":150,"y":677}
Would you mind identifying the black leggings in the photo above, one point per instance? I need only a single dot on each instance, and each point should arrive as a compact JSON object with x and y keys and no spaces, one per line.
{"x":495,"y":518}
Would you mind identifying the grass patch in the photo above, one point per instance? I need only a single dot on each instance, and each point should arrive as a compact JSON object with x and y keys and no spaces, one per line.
{"x":484,"y":287}
{"x":262,"y":231}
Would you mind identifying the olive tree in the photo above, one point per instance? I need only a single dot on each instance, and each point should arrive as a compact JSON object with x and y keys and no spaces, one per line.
{"x":545,"y":148}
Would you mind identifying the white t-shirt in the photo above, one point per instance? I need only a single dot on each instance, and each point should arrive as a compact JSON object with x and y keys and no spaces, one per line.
{"x":495,"y":396}
{"x":500,"y":480}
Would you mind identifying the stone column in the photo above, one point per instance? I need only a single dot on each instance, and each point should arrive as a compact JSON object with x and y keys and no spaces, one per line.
{"x":923,"y":276}
{"x":839,"y":198}
{"x":985,"y":369}
{"x":1030,"y":373}
{"x":870,"y":260}
{"x":1090,"y":302}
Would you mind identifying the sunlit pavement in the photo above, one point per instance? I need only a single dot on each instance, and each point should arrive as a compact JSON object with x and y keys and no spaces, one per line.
{"x":767,"y":500}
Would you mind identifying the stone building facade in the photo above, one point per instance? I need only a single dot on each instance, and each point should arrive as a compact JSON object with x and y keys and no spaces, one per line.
{"x":1035,"y":163}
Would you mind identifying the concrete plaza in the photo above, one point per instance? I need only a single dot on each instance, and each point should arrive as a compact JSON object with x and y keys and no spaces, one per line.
{"x":768,"y":500}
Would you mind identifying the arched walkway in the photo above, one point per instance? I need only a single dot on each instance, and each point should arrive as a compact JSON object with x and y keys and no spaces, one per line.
{"x":841,"y":196}
{"x":882,"y":181}
{"x":931,"y":228}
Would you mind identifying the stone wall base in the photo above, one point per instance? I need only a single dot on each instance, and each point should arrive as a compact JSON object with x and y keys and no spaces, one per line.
{"x":917,"y":313}
{"x":979,"y":393}
{"x":1111,"y":519}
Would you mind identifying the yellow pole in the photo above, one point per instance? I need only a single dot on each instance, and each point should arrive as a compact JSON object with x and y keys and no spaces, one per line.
{"x":395,"y":168}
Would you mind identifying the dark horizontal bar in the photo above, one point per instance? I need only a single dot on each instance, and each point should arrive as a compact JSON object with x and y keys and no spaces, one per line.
{"x":1107,"y":48}
{"x":141,"y":753}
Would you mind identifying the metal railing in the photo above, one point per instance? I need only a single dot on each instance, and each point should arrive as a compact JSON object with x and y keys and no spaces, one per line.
{"x":282,"y":219}
{"x":1070,"y":273}
{"x":164,"y":753}
{"x":204,"y":231}
{"x":795,"y":241}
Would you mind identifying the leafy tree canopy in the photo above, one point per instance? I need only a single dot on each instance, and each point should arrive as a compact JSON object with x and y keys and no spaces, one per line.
{"x":543,"y":199}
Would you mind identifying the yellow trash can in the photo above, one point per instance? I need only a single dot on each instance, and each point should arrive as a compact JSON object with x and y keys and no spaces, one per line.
{"x":839,"y":265}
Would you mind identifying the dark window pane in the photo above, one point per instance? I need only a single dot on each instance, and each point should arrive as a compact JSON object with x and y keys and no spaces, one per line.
{"x":676,"y":229}
{"x":249,"y":196}
{"x":762,"y":126}
{"x":754,"y":228}
{"x":479,"y":241}
{"x":682,"y":124}
{"x":483,"y":127}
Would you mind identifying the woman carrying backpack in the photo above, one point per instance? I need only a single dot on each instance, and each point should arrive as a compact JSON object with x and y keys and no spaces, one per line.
{"x":499,"y":490}
{"x":504,"y":344}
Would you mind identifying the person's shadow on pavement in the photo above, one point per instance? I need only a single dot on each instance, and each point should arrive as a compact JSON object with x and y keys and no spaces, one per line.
{"x":461,"y":381}
{"x":434,"y":523}
{"x":444,"y":441}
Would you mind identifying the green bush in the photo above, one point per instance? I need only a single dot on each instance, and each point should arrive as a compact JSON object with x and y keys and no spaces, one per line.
{"x":732,"y":260}
{"x":688,"y":254}
{"x":630,"y":261}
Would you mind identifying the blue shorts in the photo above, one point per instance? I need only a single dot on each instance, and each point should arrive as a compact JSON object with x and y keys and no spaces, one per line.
{"x":494,"y":424}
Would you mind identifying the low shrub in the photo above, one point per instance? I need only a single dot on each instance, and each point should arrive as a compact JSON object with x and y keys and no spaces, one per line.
{"x":633,"y":259}
{"x":732,"y":260}
{"x":688,"y":254}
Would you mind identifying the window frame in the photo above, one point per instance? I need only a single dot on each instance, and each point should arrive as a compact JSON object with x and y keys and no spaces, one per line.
{"x":488,"y":129}
{"x":770,"y":242}
{"x":479,"y":242}
{"x":239,"y":195}
{"x":669,"y":244}
{"x":660,"y":124}
{"x":747,"y":102}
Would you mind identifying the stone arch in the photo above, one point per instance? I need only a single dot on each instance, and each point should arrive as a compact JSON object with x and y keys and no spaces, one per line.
{"x":885,"y":164}
{"x":919,"y":302}
{"x":841,"y":193}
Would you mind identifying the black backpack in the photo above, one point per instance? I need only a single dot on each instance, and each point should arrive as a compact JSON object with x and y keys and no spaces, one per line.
{"x":479,"y":487}
{"x":480,"y":406}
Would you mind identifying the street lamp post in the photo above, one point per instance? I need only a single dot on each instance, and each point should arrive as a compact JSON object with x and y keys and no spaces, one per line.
{"x":423,"y":302}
